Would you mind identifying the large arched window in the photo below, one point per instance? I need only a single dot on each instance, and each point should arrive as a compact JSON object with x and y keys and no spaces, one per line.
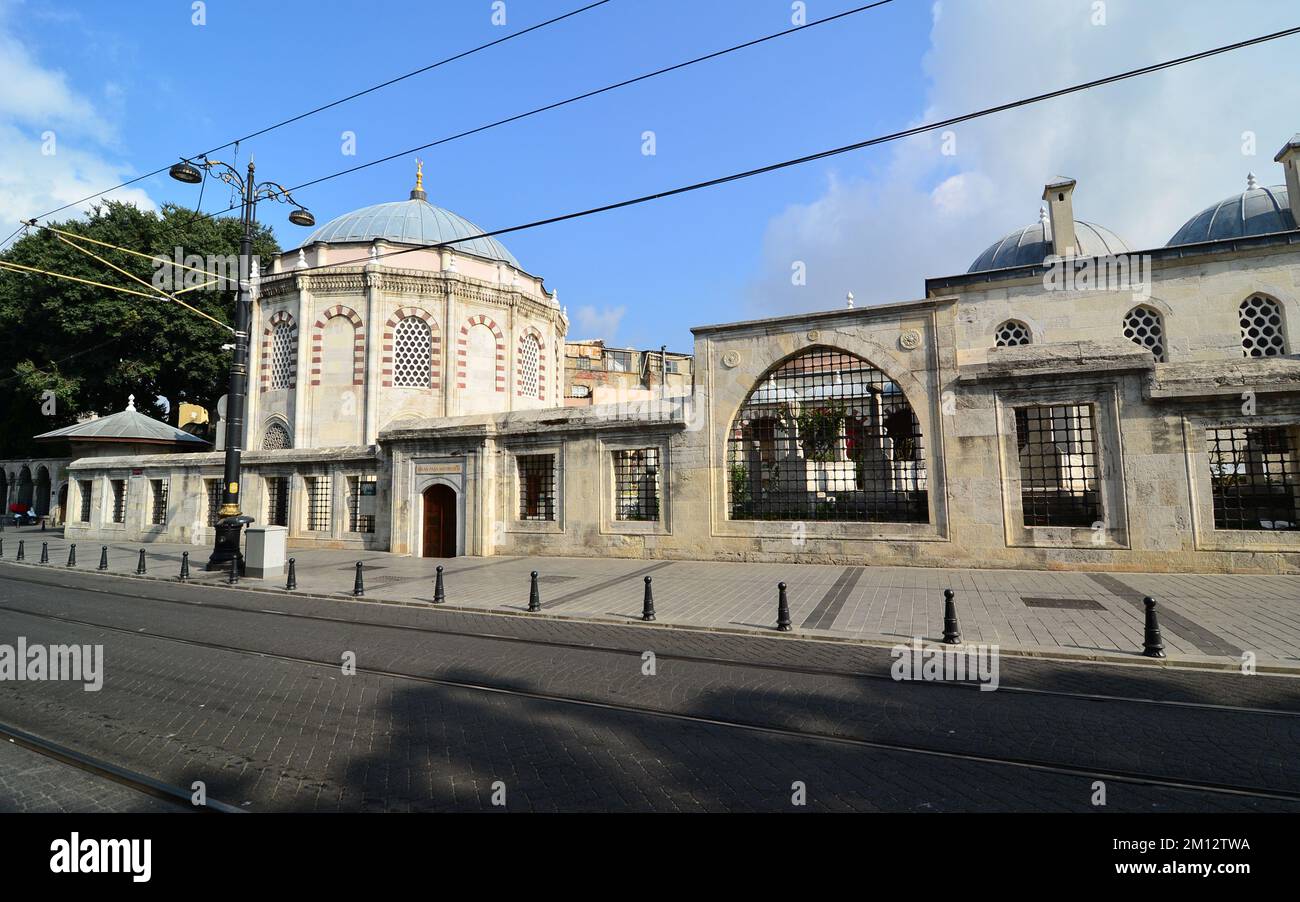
{"x":827,"y":436}
{"x":1144,"y":326}
{"x":1261,"y":327}
{"x":284,"y":351}
{"x":412,"y":353}
{"x":530,"y":354}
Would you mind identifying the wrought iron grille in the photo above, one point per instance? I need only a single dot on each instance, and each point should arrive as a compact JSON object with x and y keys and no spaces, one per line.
{"x":1261,"y":327}
{"x":536,"y":486}
{"x":277,"y":501}
{"x":826,"y":436}
{"x":159,"y":513}
{"x":412,"y":354}
{"x":1012,"y":334}
{"x":1146,"y":327}
{"x":636,"y":484}
{"x":284,"y":352}
{"x":1058,"y":465}
{"x":276,"y":438}
{"x":84,"y":487}
{"x":359,"y":488}
{"x":1255,"y":477}
{"x":318,"y":503}
{"x":214,"y":500}
{"x":119,"y":500}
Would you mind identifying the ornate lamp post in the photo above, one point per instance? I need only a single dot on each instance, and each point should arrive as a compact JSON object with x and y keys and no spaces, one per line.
{"x":226,"y":553}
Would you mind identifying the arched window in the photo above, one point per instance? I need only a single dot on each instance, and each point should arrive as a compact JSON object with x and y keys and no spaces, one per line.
{"x":1145,"y":327}
{"x":284,"y":351}
{"x":276,"y":438}
{"x":530,"y":353}
{"x":1261,"y":327}
{"x":412,"y":353}
{"x":827,"y":436}
{"x":1012,"y":334}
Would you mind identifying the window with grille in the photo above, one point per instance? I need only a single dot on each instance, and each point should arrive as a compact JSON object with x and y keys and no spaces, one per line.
{"x":1261,"y":327}
{"x":826,"y":436}
{"x":158,"y":513}
{"x":1255,"y":477}
{"x":584,"y":363}
{"x":84,"y":488}
{"x":530,"y":354}
{"x":412,"y":353}
{"x":1012,"y":334}
{"x":1145,"y":327}
{"x":1058,"y":465}
{"x":118,"y":488}
{"x":276,"y":438}
{"x":318,"y":503}
{"x":213,"y":487}
{"x":636,"y":484}
{"x":283,"y":354}
{"x":277,"y":501}
{"x":536,"y":486}
{"x":361,"y":503}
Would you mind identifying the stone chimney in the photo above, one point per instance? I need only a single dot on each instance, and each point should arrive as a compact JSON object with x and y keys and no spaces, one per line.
{"x":1060,"y":207}
{"x":1289,"y":157}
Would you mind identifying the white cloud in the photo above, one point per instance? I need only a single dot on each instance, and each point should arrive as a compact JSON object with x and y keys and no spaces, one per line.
{"x":602,"y":323}
{"x":1148,"y":153}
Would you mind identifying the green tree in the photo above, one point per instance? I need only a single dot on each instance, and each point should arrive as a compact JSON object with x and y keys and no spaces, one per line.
{"x":87,"y":348}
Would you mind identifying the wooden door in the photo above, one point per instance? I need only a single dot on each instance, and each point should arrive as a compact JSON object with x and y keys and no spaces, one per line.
{"x":439,"y":522}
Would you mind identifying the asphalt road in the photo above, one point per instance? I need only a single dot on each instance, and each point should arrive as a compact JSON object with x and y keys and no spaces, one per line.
{"x":247,"y":692}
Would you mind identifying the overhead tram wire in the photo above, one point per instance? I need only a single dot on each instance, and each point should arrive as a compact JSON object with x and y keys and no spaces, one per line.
{"x":392,"y":81}
{"x":825,"y":154}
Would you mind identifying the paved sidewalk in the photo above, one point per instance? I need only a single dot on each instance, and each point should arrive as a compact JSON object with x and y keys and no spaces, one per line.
{"x":1206,"y":618}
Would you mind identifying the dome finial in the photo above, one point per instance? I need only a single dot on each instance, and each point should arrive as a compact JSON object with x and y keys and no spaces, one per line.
{"x":417,"y":193}
{"x":1042,"y":215}
{"x":1251,"y":183}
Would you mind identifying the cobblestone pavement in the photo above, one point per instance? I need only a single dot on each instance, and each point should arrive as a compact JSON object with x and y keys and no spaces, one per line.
{"x":1206,"y":618}
{"x":33,"y":783}
{"x":277,"y":725}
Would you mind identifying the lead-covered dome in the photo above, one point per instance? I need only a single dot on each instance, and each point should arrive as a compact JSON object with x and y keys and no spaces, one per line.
{"x":1255,"y":211}
{"x":1032,"y":245}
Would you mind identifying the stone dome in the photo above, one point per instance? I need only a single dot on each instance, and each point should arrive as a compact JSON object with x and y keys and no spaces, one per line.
{"x":1032,"y":245}
{"x":1255,"y":211}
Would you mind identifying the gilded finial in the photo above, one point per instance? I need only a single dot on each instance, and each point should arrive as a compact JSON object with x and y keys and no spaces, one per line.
{"x":417,"y":193}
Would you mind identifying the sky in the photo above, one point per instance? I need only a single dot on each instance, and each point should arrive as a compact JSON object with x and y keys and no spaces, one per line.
{"x":93,"y":93}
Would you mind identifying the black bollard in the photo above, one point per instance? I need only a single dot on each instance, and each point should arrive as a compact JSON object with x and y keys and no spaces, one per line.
{"x":103,"y":558}
{"x":534,"y":596}
{"x":140,"y":568}
{"x":439,"y":596}
{"x":782,"y":610}
{"x":2,"y":547}
{"x":234,"y":572}
{"x":951,"y":628}
{"x":72,"y":555}
{"x":292,"y":581}
{"x":21,"y":556}
{"x":185,"y":565}
{"x":1153,"y":644}
{"x":358,"y":587}
{"x":45,"y":552}
{"x":648,"y":605}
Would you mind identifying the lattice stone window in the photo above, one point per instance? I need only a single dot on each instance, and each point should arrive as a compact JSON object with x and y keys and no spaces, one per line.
{"x":1012,"y":334}
{"x":412,"y":353}
{"x":1146,"y":327}
{"x":530,"y":354}
{"x":213,"y":489}
{"x":636,"y":484}
{"x":536,"y":486}
{"x":118,"y":489}
{"x":283,"y":354}
{"x":1255,"y":477}
{"x":84,"y":489}
{"x":276,"y":438}
{"x":361,"y":503}
{"x":277,"y":501}
{"x":319,"y":489}
{"x":1261,"y":327}
{"x":158,"y":513}
{"x":1058,"y":465}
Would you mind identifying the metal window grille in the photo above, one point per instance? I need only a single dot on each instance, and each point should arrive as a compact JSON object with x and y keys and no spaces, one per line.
{"x":1058,"y":465}
{"x":159,"y":512}
{"x":536,"y":486}
{"x":318,"y":503}
{"x":119,"y":500}
{"x":1255,"y":477}
{"x":283,"y":353}
{"x":531,"y":354}
{"x":1261,"y":327}
{"x":827,"y":437}
{"x":584,"y":363}
{"x":636,"y":484}
{"x":277,"y":501}
{"x":84,"y":487}
{"x":214,"y":500}
{"x":361,"y":495}
{"x":276,"y":438}
{"x":1012,"y":333}
{"x":1144,"y":326}
{"x":412,"y":353}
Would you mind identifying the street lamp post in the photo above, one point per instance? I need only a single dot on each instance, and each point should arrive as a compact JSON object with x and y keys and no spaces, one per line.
{"x":226,"y":553}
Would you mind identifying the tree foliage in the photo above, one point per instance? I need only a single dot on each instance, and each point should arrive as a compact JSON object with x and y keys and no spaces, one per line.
{"x":88,"y":348}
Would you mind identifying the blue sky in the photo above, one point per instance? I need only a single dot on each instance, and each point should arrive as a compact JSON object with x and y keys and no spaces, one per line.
{"x":127,"y":87}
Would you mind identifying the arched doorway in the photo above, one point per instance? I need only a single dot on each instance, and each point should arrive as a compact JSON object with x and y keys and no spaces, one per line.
{"x":61,"y":512}
{"x":439,"y":528}
{"x":41,"y":502}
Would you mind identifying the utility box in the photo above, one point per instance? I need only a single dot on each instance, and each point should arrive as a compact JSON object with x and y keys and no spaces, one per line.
{"x":264,"y":551}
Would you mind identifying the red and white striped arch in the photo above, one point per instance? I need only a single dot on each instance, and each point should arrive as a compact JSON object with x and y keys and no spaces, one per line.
{"x":435,"y":354}
{"x":280,"y":317}
{"x":462,"y":344}
{"x":531,"y":334}
{"x":358,"y":343}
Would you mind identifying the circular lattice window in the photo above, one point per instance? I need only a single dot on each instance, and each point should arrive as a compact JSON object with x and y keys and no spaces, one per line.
{"x":1012,"y":334}
{"x":412,"y":352}
{"x":529,"y":354}
{"x":283,"y":351}
{"x":1261,"y":328}
{"x":276,"y":438}
{"x":1144,"y":326}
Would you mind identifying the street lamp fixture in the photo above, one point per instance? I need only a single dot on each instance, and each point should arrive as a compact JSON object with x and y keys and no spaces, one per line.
{"x":226,"y":552}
